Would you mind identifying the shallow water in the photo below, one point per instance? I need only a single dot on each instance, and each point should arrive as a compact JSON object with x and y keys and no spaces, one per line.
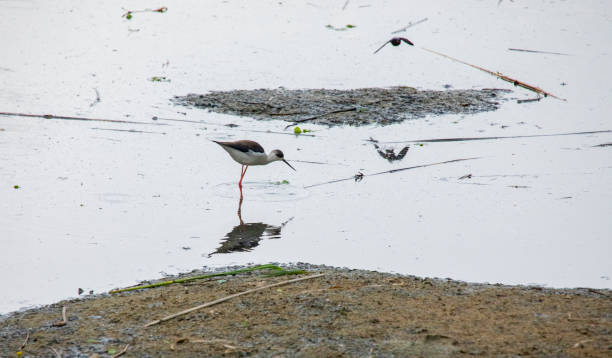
{"x":103,"y":205}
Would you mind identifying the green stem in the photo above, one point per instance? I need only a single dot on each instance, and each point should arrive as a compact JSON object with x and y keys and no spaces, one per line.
{"x":280,"y":272}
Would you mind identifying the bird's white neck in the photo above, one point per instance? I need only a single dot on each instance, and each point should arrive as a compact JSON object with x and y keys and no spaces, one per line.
{"x":271,"y":158}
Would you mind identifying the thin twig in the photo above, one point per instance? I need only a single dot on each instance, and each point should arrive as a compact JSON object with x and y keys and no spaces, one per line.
{"x":26,"y":340}
{"x":463,"y":139}
{"x":321,"y":115}
{"x":535,"y":51}
{"x":122,"y":352}
{"x":126,"y":130}
{"x":410,"y":24}
{"x":309,"y":162}
{"x":57,"y":354}
{"x":128,"y":14}
{"x":273,"y":132}
{"x":360,"y":175}
{"x":581,"y":343}
{"x":223,"y":342}
{"x":528,"y":100}
{"x":51,"y":116}
{"x":345,"y":4}
{"x":499,"y":75}
{"x":230,"y":297}
{"x":64,"y":321}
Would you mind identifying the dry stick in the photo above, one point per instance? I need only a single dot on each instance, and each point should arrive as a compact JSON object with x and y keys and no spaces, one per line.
{"x":499,"y":75}
{"x":50,"y":116}
{"x":57,"y":354}
{"x":391,"y":171}
{"x":26,"y":340}
{"x":321,"y":115}
{"x":410,"y":24}
{"x":122,"y":352}
{"x":464,"y":139}
{"x":63,"y":321}
{"x":228,"y":298}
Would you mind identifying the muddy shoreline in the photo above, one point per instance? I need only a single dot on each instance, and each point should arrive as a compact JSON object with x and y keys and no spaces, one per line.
{"x":343,"y":313}
{"x":354,"y":107}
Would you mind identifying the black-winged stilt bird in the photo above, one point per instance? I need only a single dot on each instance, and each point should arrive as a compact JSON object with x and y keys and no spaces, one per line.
{"x":248,"y":152}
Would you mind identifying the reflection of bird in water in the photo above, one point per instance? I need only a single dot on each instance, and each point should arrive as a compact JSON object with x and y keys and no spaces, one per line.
{"x":389,"y":153}
{"x":248,"y":152}
{"x":245,"y":237}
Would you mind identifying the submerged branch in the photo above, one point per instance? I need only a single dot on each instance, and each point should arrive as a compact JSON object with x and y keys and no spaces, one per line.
{"x":536,"y":51}
{"x":465,"y":139}
{"x":360,"y":175}
{"x":51,"y":116}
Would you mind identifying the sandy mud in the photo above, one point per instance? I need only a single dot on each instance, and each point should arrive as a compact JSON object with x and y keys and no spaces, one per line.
{"x":344,"y":313}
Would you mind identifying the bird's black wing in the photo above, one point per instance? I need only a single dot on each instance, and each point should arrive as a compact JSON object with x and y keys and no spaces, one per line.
{"x":406,"y":41}
{"x":243,"y":145}
{"x":383,"y":45}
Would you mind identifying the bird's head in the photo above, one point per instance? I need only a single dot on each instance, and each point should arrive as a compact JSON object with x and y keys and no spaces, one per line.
{"x":276,"y":154}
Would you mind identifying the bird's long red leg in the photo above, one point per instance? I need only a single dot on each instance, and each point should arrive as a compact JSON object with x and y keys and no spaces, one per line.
{"x":243,"y":172}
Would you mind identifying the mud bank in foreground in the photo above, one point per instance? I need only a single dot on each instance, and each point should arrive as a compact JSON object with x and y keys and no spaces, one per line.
{"x":354,"y":107}
{"x":342,"y":313}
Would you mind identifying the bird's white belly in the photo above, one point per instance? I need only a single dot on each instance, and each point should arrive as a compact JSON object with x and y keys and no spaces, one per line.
{"x":249,"y":158}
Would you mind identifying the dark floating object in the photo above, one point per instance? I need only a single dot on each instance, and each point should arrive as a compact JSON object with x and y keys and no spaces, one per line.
{"x":396,"y":41}
{"x":389,"y":153}
{"x":467,"y":176}
{"x":358,"y":177}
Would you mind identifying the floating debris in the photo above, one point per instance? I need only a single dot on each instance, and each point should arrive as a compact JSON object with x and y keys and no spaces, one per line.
{"x":129,"y":14}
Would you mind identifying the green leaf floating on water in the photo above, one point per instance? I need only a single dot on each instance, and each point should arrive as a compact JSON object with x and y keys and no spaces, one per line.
{"x":298,"y":130}
{"x":282,"y":182}
{"x":159,"y":79}
{"x":349,"y":26}
{"x":16,"y":186}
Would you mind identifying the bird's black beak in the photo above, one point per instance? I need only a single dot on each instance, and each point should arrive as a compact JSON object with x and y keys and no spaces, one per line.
{"x":288,"y":164}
